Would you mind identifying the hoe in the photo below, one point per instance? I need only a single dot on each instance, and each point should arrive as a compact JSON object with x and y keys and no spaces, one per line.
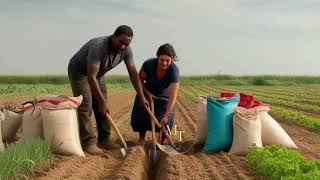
{"x":125,"y":148}
{"x":154,"y":154}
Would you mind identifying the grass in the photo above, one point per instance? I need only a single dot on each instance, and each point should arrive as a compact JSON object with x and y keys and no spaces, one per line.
{"x":20,"y":159}
{"x":278,"y":162}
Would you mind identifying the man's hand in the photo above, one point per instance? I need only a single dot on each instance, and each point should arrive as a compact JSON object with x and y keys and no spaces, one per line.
{"x":143,"y":102}
{"x":103,"y":108}
{"x":150,"y":97}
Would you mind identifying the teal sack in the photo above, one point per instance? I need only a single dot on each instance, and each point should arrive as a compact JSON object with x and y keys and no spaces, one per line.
{"x":220,"y":120}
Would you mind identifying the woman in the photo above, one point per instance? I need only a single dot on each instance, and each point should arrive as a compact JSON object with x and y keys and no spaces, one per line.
{"x":160,"y":78}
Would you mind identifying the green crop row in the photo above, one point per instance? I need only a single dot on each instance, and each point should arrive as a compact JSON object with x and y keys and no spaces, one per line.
{"x":34,"y":88}
{"x":276,"y":162}
{"x":294,"y":96}
{"x":297,"y":116}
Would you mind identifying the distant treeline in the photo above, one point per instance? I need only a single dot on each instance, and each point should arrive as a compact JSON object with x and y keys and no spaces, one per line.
{"x":263,"y":80}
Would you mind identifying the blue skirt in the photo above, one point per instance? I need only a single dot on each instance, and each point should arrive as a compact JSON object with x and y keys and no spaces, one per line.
{"x":140,"y":119}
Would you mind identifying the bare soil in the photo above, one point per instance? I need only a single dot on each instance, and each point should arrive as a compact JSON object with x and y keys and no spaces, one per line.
{"x":193,"y":164}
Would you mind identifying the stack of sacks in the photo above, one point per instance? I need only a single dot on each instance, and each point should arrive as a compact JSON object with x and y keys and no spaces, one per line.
{"x":55,"y":119}
{"x":220,"y":117}
{"x":253,"y":125}
{"x":202,"y":115}
{"x":202,"y":123}
{"x":1,"y":143}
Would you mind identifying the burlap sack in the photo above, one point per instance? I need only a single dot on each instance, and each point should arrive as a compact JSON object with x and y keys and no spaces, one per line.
{"x":273,"y":133}
{"x":10,"y":125}
{"x":32,"y":123}
{"x":60,"y":124}
{"x":246,"y":130}
{"x":1,"y":120}
{"x":202,"y":121}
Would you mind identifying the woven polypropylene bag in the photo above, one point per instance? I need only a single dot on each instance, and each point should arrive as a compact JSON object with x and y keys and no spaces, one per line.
{"x":220,"y":118}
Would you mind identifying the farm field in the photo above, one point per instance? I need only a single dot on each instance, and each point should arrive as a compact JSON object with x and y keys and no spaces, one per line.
{"x":296,"y":108}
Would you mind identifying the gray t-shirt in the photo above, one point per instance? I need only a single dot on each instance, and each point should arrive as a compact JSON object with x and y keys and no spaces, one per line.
{"x":98,"y":51}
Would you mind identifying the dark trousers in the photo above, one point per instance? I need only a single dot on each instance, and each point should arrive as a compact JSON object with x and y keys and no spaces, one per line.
{"x":140,"y":119}
{"x":80,"y":86}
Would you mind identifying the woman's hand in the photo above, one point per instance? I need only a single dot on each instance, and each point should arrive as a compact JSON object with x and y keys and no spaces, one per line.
{"x":164,"y":120}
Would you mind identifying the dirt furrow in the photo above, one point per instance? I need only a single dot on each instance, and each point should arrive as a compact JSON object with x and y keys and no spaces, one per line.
{"x":181,"y":167}
{"x":226,"y":166}
{"x":133,"y":167}
{"x":186,"y":114}
{"x":72,"y":167}
{"x":203,"y":166}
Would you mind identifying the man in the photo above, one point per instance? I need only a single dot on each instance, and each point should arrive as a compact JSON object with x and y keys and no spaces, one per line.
{"x":86,"y":73}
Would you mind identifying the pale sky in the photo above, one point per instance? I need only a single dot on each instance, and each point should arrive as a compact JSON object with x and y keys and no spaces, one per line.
{"x":238,"y":37}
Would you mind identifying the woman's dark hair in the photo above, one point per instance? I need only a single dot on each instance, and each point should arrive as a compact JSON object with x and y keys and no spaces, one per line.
{"x":123,"y":29}
{"x":167,"y":49}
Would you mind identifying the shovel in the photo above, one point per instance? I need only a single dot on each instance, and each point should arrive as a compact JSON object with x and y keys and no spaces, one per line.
{"x":154,"y":153}
{"x":165,"y":148}
{"x":125,"y":149}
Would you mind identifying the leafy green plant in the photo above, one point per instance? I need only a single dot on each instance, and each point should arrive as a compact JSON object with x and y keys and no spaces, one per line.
{"x":278,"y":162}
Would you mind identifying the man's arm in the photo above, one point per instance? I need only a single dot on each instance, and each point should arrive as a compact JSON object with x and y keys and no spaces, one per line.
{"x":93,"y":70}
{"x":137,"y":84}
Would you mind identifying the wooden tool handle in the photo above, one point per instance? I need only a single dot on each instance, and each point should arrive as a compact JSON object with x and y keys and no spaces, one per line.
{"x":117,"y":130}
{"x":154,"y":119}
{"x":154,"y":140}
